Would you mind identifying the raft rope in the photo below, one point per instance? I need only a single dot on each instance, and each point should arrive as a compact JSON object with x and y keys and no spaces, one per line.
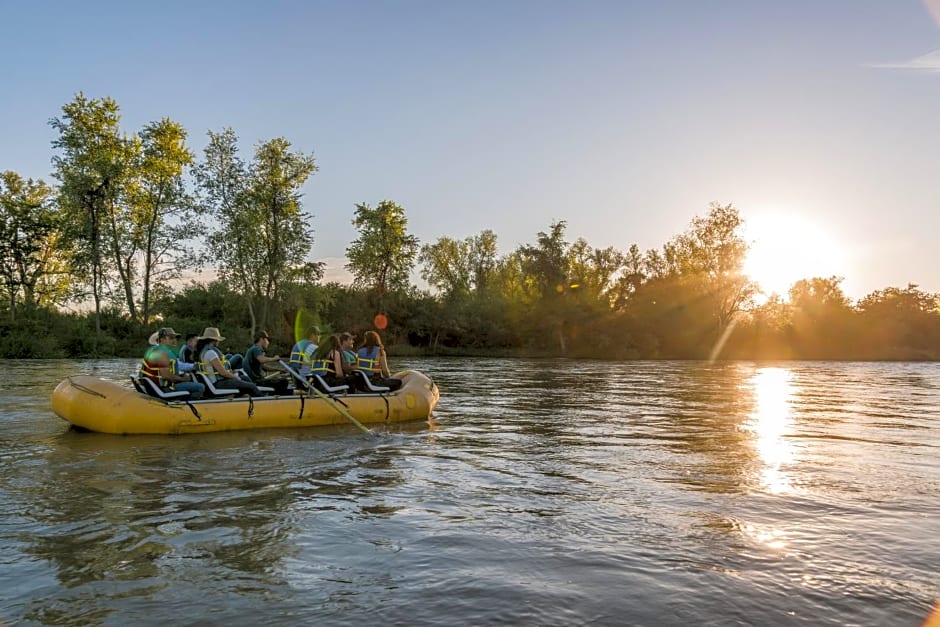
{"x":387,"y":410}
{"x":195,"y":411}
{"x":86,"y":389}
{"x":302,"y":402}
{"x":251,"y":407}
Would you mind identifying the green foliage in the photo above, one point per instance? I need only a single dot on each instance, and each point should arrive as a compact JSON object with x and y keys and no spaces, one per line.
{"x":263,"y":238}
{"x":33,"y":268}
{"x":384,"y":253}
{"x":121,"y":226}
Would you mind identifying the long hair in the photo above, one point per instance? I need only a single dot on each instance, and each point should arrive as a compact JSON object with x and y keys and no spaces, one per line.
{"x":200,"y":345}
{"x":323,"y":350}
{"x":370,"y":340}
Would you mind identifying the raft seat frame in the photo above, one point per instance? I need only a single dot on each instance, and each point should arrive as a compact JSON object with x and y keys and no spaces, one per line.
{"x":321,"y":384}
{"x":242,"y":374}
{"x":150,"y":388}
{"x":211,"y":389}
{"x":315,"y":381}
{"x":367,"y":382}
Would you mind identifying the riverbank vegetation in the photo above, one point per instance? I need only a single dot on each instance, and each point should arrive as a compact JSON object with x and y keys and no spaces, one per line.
{"x":93,"y":262}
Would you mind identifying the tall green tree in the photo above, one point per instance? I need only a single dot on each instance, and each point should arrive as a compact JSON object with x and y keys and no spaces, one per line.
{"x":823,"y":320}
{"x":161,"y":211}
{"x":456,"y":268}
{"x":593,"y":269}
{"x":713,"y":250}
{"x":33,"y":259}
{"x":546,"y":267}
{"x":446,"y":266}
{"x":382,"y":257}
{"x":263,"y":240}
{"x":91,"y":168}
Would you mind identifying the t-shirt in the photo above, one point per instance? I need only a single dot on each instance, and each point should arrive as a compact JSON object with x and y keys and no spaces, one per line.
{"x":252,"y":365}
{"x":208,"y":353}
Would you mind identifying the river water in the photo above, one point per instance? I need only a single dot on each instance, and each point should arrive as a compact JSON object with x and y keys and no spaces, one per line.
{"x":545,"y":492}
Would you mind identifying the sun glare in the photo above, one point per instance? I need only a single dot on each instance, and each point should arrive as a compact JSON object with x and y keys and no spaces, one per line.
{"x":786,"y":248}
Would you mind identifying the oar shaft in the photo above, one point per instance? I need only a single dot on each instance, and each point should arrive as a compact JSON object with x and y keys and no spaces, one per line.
{"x":329,"y":400}
{"x":340,"y":409}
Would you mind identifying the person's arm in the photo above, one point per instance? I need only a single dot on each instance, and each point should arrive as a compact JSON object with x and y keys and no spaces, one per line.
{"x":269,"y":364}
{"x":220,"y":368}
{"x":339,"y":364}
{"x":383,"y":362}
{"x":172,"y":377}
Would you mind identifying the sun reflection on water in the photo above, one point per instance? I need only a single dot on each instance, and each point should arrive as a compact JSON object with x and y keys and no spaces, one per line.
{"x":770,"y":421}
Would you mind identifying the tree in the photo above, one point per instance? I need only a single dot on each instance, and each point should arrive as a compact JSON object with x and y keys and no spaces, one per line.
{"x":713,"y":250}
{"x":822,"y":318}
{"x":263,"y":240}
{"x":457,"y":268}
{"x":547,"y":263}
{"x":593,"y":269}
{"x":901,"y":323}
{"x":158,"y":201}
{"x":446,"y":266}
{"x":483,"y":259}
{"x":383,"y":255}
{"x":91,"y":169}
{"x":33,"y":266}
{"x":546,"y":266}
{"x":634,"y":273}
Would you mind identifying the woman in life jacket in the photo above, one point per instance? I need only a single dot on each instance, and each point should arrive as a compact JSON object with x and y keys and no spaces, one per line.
{"x":335,"y":361}
{"x":371,"y":359}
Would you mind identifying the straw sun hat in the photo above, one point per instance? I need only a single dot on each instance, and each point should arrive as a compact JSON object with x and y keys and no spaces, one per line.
{"x":211,"y":333}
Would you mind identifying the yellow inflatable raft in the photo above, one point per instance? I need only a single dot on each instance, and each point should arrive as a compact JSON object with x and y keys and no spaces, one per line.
{"x":109,"y":407}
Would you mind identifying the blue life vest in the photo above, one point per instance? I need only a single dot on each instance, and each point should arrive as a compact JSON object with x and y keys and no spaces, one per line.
{"x":369,"y":360}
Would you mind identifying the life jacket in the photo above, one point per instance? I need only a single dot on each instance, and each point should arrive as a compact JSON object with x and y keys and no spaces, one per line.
{"x":187,"y":353}
{"x":151,"y":372}
{"x":205,"y":366}
{"x":369,"y":360}
{"x":323,"y":367}
{"x":298,"y":356}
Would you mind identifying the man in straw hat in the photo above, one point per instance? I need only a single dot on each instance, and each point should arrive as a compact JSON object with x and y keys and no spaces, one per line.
{"x":213,"y":363}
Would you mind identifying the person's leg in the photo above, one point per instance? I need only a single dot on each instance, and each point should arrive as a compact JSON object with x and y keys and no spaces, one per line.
{"x":244,"y":387}
{"x":195,"y":390}
{"x":236,"y":361}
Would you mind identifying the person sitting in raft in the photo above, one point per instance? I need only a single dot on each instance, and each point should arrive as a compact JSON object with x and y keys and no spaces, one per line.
{"x":335,"y":361}
{"x":211,"y":362}
{"x":301,"y":355}
{"x":161,"y":366}
{"x":188,"y":348}
{"x":371,"y":359}
{"x":258,"y":365}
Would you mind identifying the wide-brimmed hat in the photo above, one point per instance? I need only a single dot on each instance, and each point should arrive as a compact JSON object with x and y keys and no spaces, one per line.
{"x":211,"y":333}
{"x":155,"y":338}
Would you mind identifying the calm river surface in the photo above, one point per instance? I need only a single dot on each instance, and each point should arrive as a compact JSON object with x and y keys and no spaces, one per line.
{"x":548,"y":492}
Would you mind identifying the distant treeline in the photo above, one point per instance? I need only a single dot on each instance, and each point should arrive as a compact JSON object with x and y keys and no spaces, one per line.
{"x":130,"y":213}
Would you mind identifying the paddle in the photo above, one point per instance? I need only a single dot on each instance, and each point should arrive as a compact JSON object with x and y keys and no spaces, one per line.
{"x":329,"y":400}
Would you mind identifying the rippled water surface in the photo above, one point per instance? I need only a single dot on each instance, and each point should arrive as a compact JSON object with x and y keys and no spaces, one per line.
{"x":543,"y":493}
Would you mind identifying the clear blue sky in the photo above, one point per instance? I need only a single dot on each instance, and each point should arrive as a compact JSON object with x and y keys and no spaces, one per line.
{"x":624,"y":118}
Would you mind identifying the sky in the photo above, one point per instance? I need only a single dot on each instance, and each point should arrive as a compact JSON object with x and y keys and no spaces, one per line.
{"x":817,"y":119}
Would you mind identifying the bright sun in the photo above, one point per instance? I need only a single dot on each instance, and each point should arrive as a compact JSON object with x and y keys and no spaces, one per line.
{"x":785,"y":248}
